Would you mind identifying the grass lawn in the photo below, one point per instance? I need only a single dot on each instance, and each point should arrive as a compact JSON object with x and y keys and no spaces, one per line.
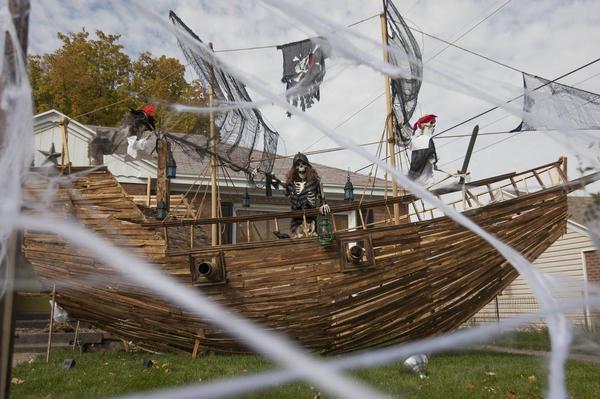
{"x":539,"y":340}
{"x":467,"y":375}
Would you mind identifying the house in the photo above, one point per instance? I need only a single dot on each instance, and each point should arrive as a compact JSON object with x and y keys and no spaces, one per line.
{"x":571,"y":260}
{"x":87,"y":147}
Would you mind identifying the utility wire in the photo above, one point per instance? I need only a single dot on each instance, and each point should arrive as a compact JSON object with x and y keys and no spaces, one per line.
{"x":275,"y":45}
{"x":491,"y":109}
{"x":348,"y":118}
{"x":464,"y":49}
{"x":469,"y":30}
{"x":517,"y":97}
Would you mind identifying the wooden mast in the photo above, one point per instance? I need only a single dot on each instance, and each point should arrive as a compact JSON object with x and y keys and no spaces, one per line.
{"x":163,"y":186}
{"x":213,"y":157}
{"x":389,"y":122}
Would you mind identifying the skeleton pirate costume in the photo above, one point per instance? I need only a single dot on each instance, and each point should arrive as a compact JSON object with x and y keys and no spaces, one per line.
{"x":423,"y":156}
{"x":303,"y":187}
{"x":136,"y":122}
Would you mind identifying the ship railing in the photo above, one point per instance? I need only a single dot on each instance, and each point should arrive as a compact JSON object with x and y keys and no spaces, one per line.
{"x":462,"y":197}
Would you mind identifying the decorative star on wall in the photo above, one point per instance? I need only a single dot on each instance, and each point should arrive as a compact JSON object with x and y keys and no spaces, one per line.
{"x":51,"y":155}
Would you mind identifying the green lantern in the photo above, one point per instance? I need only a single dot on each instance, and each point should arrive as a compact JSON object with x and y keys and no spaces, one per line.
{"x":325,"y":232}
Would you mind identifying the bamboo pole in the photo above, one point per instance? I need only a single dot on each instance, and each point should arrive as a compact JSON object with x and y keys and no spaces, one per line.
{"x":162,"y":183}
{"x":389,"y":122}
{"x":51,"y":322}
{"x":148,"y":190}
{"x":213,"y":156}
{"x":65,"y":159}
{"x":76,"y":335}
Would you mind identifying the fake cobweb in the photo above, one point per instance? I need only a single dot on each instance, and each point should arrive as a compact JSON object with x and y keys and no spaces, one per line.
{"x":327,"y":374}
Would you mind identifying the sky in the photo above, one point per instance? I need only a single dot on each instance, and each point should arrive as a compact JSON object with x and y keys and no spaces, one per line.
{"x":543,"y":37}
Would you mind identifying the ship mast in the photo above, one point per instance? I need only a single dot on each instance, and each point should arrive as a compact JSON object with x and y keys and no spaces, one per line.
{"x":389,"y":113}
{"x":213,"y":156}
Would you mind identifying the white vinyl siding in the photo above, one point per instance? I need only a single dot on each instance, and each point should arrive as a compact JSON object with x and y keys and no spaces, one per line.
{"x":563,"y":260}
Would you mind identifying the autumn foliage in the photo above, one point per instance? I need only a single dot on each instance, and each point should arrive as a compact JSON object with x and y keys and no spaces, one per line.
{"x":96,"y":82}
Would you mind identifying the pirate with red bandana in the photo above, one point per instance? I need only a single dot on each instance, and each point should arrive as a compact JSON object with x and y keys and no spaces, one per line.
{"x":136,"y":123}
{"x":423,"y":157}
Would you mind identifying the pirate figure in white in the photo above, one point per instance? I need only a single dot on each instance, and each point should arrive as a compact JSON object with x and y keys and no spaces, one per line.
{"x":303,"y":186}
{"x":423,"y":157}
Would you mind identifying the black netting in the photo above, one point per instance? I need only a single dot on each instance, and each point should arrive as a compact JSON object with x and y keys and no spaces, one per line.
{"x":246,"y":143}
{"x":408,"y":58}
{"x":563,"y":105}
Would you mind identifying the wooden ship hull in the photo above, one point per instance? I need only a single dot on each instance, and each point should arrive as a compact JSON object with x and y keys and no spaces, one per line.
{"x":421,"y":277}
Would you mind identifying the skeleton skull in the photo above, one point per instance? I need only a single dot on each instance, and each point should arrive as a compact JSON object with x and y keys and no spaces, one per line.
{"x":301,"y":169}
{"x":428,"y":128}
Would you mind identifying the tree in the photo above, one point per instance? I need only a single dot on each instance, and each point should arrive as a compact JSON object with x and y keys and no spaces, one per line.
{"x":83,"y":75}
{"x":96,"y":82}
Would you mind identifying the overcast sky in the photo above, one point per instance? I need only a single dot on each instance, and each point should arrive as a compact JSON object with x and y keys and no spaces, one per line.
{"x":547,"y":38}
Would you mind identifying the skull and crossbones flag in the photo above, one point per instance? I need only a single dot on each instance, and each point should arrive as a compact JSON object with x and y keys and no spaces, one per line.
{"x":303,"y":71}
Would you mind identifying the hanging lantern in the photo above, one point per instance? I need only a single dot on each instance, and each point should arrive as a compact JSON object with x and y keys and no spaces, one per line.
{"x":161,"y":210}
{"x":349,"y":190}
{"x":325,"y":232}
{"x":246,"y":200}
{"x":171,"y":165}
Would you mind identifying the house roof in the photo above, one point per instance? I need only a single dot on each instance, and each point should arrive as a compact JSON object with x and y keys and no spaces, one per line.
{"x":580,"y":208}
{"x":192,"y":165}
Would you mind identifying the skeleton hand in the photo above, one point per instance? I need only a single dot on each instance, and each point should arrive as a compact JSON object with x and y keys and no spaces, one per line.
{"x":324,"y":209}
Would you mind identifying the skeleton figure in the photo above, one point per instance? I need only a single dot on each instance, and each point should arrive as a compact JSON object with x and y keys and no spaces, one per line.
{"x":136,"y":123}
{"x":423,"y":157}
{"x":303,"y":186}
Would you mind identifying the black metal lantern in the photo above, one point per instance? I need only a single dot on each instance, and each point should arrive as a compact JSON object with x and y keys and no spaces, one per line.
{"x":171,"y":165}
{"x":161,"y":210}
{"x":246,"y":200}
{"x":349,"y":190}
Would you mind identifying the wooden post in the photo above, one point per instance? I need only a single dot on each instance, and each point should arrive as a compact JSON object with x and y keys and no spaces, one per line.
{"x":389,"y":122}
{"x":162,"y":183}
{"x":213,"y":157}
{"x":196,"y":348}
{"x":19,"y":10}
{"x":65,"y":159}
{"x":76,"y":335}
{"x":51,"y":322}
{"x":148,"y":191}
{"x":563,"y":159}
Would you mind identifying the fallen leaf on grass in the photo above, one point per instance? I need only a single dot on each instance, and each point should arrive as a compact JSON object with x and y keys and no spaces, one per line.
{"x":470,"y":386}
{"x":16,"y":381}
{"x":532,"y":378}
{"x":510,"y":394}
{"x":490,"y":389}
{"x":490,"y":373}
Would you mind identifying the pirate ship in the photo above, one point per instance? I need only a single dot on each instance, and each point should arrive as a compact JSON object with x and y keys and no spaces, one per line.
{"x":411,"y":274}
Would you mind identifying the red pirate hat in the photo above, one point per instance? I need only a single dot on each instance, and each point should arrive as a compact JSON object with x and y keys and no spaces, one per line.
{"x":424,"y":119}
{"x":149,"y":109}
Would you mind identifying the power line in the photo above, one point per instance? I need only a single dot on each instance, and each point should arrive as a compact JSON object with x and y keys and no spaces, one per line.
{"x":517,"y":97}
{"x":491,"y":109}
{"x":275,"y":45}
{"x":348,"y":118}
{"x":465,"y":49}
{"x":470,"y":30}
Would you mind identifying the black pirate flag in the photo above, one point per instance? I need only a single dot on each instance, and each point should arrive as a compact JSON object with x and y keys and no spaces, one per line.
{"x":303,"y":71}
